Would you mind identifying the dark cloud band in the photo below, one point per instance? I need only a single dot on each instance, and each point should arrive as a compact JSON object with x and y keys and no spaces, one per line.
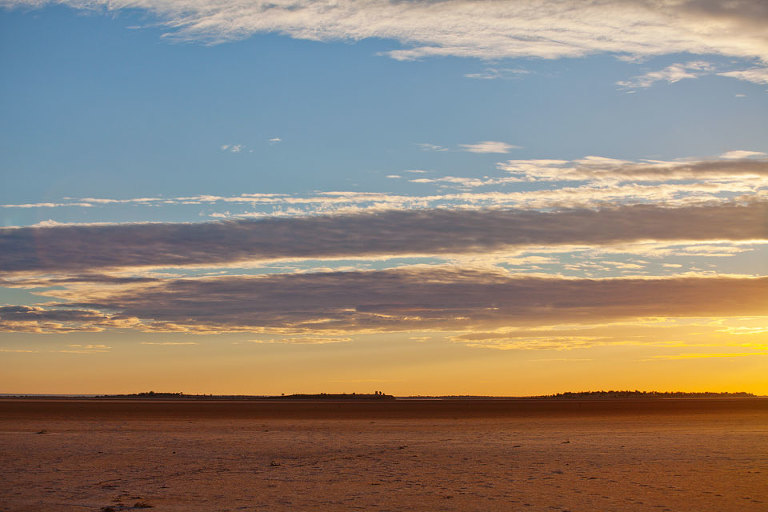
{"x":405,"y":299}
{"x":426,"y":232}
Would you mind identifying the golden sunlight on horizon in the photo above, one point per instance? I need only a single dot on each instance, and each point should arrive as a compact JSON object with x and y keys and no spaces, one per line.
{"x":715,"y":355}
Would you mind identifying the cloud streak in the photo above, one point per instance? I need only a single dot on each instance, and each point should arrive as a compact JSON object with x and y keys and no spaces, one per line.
{"x":488,"y":146}
{"x":36,"y":319}
{"x":758,"y":75}
{"x":77,"y":249}
{"x":498,"y":74}
{"x":611,"y":170}
{"x":484,"y":29}
{"x":602,"y":181}
{"x":670,"y":74}
{"x":442,"y":298}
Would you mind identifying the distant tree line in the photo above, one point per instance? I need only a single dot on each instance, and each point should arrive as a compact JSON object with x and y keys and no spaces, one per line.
{"x":648,"y":394}
{"x":376,"y":395}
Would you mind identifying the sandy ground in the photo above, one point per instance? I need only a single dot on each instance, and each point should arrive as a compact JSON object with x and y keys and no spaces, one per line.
{"x":418,"y":456}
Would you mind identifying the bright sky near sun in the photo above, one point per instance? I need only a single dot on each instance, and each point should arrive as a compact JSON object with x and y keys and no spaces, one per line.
{"x":422,"y":197}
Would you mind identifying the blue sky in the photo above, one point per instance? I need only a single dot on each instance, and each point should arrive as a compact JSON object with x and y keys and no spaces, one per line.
{"x":172,"y":111}
{"x":93,"y":108}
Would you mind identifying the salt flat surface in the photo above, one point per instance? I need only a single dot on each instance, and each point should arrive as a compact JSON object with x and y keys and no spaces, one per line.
{"x":596,"y":461}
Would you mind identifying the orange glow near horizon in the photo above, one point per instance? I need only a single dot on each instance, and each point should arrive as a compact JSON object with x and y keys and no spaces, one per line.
{"x":719,"y":355}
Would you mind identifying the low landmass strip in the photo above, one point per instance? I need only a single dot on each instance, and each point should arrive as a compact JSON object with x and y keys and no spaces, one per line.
{"x":648,"y":394}
{"x":380,"y":395}
{"x":376,"y":395}
{"x":598,"y":395}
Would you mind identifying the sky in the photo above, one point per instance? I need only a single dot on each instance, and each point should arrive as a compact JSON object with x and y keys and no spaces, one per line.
{"x":422,"y":197}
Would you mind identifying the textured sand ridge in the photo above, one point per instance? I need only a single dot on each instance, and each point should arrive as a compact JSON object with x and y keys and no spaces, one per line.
{"x":192,"y":457}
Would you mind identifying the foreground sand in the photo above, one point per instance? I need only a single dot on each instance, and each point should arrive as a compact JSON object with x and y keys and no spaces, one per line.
{"x":698,"y":455}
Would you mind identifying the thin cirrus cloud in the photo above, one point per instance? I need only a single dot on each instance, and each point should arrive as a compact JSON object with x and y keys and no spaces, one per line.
{"x":593,"y":181}
{"x":590,"y":194}
{"x":169,"y":343}
{"x":758,"y":75}
{"x":677,"y":181}
{"x":443,"y":299}
{"x":708,"y":355}
{"x":426,"y":146}
{"x":303,"y":340}
{"x":694,"y":69}
{"x":740,"y":153}
{"x":498,"y":74}
{"x":670,"y":74}
{"x":484,"y":29}
{"x":81,"y":248}
{"x":732,"y":165}
{"x":488,"y":146}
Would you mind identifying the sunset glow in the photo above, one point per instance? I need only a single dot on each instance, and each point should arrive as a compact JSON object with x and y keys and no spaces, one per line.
{"x":425,"y":198}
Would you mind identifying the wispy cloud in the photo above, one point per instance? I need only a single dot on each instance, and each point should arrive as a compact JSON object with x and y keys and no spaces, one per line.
{"x":233,"y":148}
{"x":498,"y":74}
{"x":756,"y":75}
{"x":591,"y":181}
{"x":670,"y":74}
{"x":532,"y":340}
{"x":739,"y":154}
{"x":275,"y":140}
{"x":426,"y":146}
{"x":82,"y":349}
{"x":664,"y":333}
{"x":83,"y":204}
{"x":488,"y":146}
{"x":169,"y":343}
{"x":482,"y":29}
{"x":694,"y":69}
{"x":303,"y":340}
{"x":716,"y":355}
{"x":743,"y":330}
{"x":610,"y":170}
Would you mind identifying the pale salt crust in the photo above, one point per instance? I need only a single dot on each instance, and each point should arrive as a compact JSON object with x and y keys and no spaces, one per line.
{"x":696,"y":462}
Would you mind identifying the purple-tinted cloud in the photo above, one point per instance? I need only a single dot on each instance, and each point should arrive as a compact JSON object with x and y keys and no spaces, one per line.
{"x":410,"y":299}
{"x":39,"y":319}
{"x":81,"y":248}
